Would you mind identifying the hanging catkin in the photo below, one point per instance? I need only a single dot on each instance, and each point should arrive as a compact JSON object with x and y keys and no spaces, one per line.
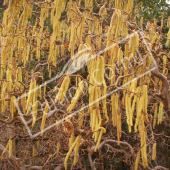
{"x":145,"y":98}
{"x":76,"y":149}
{"x":70,"y":151}
{"x":118,"y":3}
{"x":168,"y":39}
{"x":34,"y":112}
{"x":58,"y":147}
{"x":3,"y":91}
{"x":100,"y":71}
{"x":102,"y":130}
{"x":63,"y":90}
{"x":142,"y":131}
{"x":46,"y":110}
{"x":137,"y":160}
{"x":104,"y":92}
{"x":154,"y":151}
{"x":134,"y":43}
{"x":10,"y":148}
{"x":81,"y":117}
{"x":114,"y":99}
{"x":160,"y":113}
{"x":119,"y":127}
{"x":103,"y":12}
{"x":12,"y":106}
{"x":128,"y":110}
{"x":155,"y":116}
{"x":139,"y":106}
{"x":141,"y":23}
{"x":30,"y":95}
{"x":76,"y":97}
{"x":9,"y":145}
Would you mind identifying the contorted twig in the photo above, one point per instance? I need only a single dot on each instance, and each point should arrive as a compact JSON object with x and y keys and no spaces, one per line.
{"x":165,"y":89}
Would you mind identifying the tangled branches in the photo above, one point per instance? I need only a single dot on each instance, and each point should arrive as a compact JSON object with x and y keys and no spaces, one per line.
{"x":83,"y":86}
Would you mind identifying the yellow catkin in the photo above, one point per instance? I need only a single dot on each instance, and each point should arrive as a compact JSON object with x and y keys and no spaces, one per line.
{"x":24,"y":129}
{"x":162,"y":20}
{"x":96,"y":96}
{"x":168,"y":39}
{"x":56,"y":123}
{"x":137,"y":160}
{"x":3,"y":91}
{"x":164,"y":63}
{"x":120,"y":56}
{"x":103,"y":11}
{"x":118,"y":25}
{"x":9,"y":78}
{"x":129,"y":6}
{"x":100,"y":70}
{"x":10,"y":148}
{"x":145,"y":98}
{"x":45,"y":88}
{"x":7,"y":146}
{"x":133,"y":105}
{"x":96,"y":134}
{"x":33,"y":151}
{"x":58,"y":147}
{"x":114,"y":99}
{"x":134,"y":43}
{"x":102,"y":130}
{"x":97,"y":124}
{"x":168,"y":22}
{"x":118,"y":3}
{"x":63,"y":89}
{"x":155,"y":116}
{"x":34,"y":112}
{"x":38,"y":144}
{"x":104,"y":102}
{"x":91,"y":98}
{"x":62,"y":50}
{"x":76,"y":149}
{"x":72,"y":39}
{"x":141,"y":23}
{"x":30,"y":96}
{"x":12,"y":106}
{"x":71,"y":140}
{"x":154,"y":151}
{"x":59,"y":94}
{"x":155,"y":21}
{"x":19,"y":75}
{"x":23,"y":102}
{"x":80,"y":29}
{"x":93,"y":119}
{"x":46,"y":110}
{"x":160,"y":113}
{"x":142,"y":131}
{"x":96,"y":72}
{"x":119,"y":127}
{"x":81,"y":115}
{"x":34,"y":97}
{"x":139,"y":106}
{"x":76,"y":97}
{"x":69,"y":152}
{"x":128,"y":110}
